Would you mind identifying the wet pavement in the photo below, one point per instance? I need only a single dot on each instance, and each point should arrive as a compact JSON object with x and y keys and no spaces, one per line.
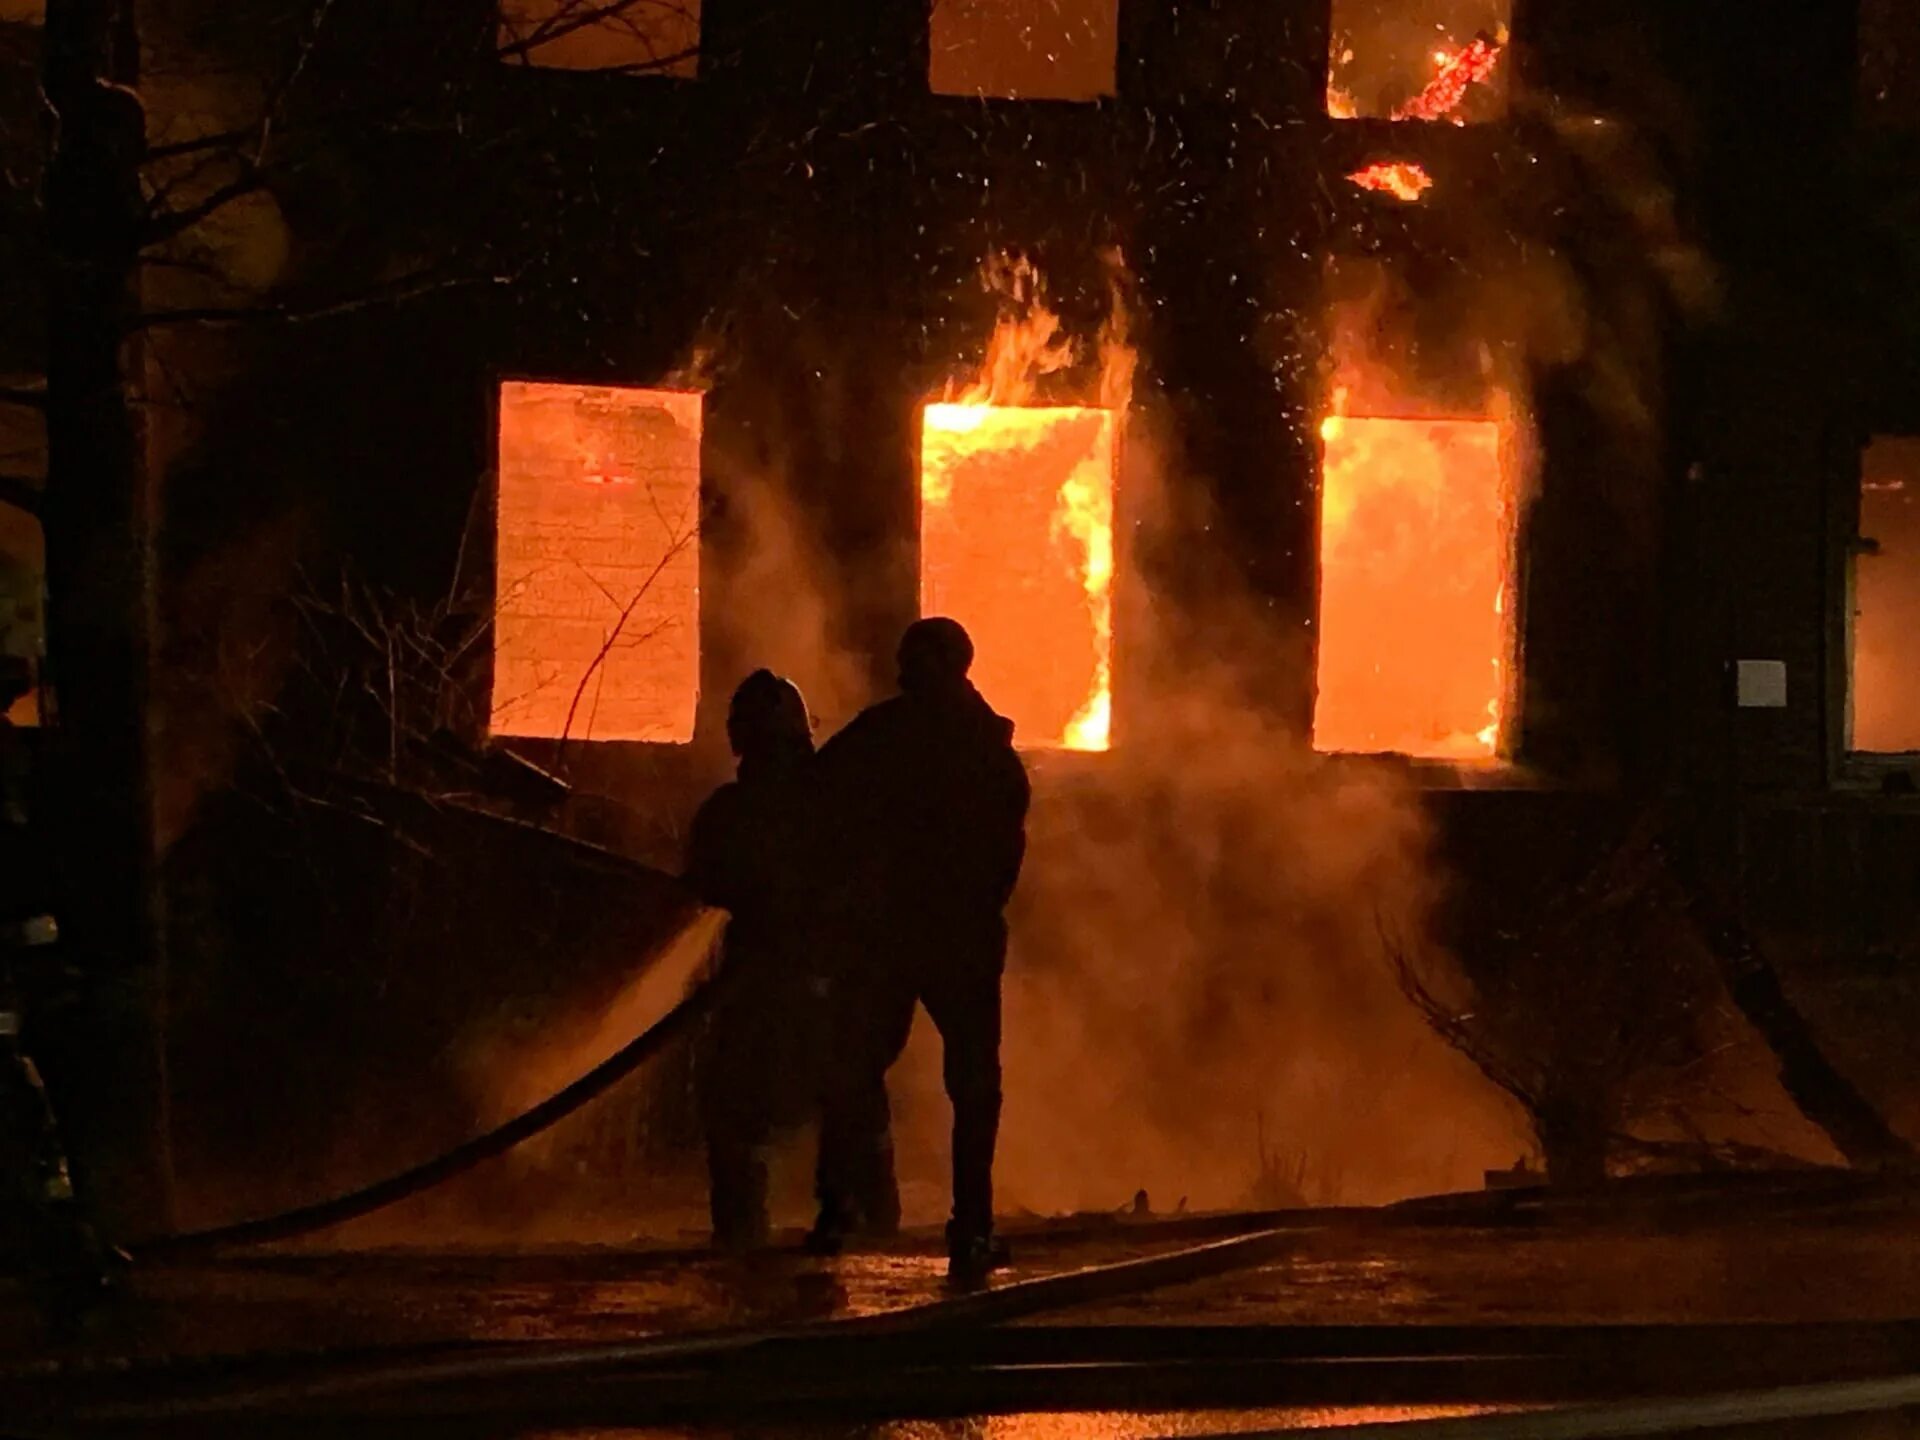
{"x":1705,"y":1260}
{"x":1698,"y":1264}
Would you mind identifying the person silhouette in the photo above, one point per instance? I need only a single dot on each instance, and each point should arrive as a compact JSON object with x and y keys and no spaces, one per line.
{"x":927,"y":802}
{"x":750,"y":853}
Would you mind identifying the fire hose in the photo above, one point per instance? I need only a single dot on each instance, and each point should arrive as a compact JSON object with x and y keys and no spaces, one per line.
{"x":367,"y":1386}
{"x":325,"y":1214}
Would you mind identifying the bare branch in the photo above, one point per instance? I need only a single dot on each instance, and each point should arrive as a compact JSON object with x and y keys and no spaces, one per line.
{"x":571,"y":19}
{"x":21,"y":493}
{"x":396,"y":293}
{"x":613,"y":635}
{"x":170,"y":223}
{"x":217,"y":140}
{"x":270,"y":114}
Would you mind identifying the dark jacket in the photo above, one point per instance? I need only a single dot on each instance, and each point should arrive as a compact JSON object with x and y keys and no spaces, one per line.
{"x":753,"y":852}
{"x":928,"y":804}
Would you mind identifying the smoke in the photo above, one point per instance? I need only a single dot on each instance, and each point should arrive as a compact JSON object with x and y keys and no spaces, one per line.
{"x":1197,"y":977}
{"x":1197,"y":1001}
{"x":597,"y":1175}
{"x":513,"y":1066}
{"x":782,"y":609}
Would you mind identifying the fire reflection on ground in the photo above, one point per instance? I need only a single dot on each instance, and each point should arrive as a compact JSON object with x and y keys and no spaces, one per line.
{"x":1085,"y":1425}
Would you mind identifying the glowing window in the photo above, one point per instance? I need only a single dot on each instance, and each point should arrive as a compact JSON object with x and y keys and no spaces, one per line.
{"x":1016,"y":543}
{"x":1415,"y":550}
{"x":1885,"y":688}
{"x":1024,"y":49}
{"x":660,"y":37}
{"x":1439,"y":60}
{"x":596,"y":629}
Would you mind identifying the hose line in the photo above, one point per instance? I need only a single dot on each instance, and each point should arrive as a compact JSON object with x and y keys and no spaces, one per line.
{"x":325,"y":1214}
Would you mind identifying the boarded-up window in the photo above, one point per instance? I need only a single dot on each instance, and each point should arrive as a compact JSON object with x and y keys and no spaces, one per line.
{"x":1435,"y":60}
{"x":659,"y":37}
{"x":1024,"y":49}
{"x":1016,"y":543}
{"x":1886,"y":601}
{"x":1415,"y":550}
{"x":598,"y":570}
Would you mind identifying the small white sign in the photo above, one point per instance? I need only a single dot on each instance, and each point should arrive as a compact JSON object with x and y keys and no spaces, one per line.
{"x":1762,"y":684}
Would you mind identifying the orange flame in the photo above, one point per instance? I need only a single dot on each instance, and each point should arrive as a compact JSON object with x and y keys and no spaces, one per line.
{"x":1456,"y":74}
{"x":1402,"y":179}
{"x":1413,"y":561}
{"x":990,"y":459}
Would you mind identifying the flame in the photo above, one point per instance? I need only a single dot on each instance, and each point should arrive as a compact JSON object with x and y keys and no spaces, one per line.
{"x":994,"y":465}
{"x":1027,"y":342}
{"x":1357,"y":72}
{"x":1455,"y":73}
{"x":1402,"y":179}
{"x":1086,"y":514}
{"x":1413,"y":560}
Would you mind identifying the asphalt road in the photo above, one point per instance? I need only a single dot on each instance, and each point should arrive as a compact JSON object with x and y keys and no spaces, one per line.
{"x":1419,"y":1312}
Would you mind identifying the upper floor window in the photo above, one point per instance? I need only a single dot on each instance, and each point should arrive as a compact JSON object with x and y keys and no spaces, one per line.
{"x":640,"y":37}
{"x":1434,"y":60}
{"x":1024,"y":49}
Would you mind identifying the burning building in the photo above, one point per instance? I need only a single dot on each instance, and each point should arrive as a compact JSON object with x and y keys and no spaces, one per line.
{"x":1594,"y":487}
{"x":1481,"y":524}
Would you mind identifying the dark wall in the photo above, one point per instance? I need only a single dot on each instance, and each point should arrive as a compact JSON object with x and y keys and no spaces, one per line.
{"x":808,"y":207}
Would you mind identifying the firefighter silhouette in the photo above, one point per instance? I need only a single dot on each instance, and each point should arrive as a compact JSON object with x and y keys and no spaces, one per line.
{"x":751,"y":853}
{"x":928,"y":805}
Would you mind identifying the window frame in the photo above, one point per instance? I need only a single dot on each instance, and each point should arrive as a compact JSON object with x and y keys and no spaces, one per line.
{"x":1852,"y":769}
{"x":496,"y":378}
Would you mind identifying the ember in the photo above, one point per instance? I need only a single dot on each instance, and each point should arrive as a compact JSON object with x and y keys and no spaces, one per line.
{"x":1017,"y":50}
{"x":597,"y":631}
{"x":1386,"y":65}
{"x":1413,"y":562}
{"x":1458,"y":73}
{"x":1402,"y":179}
{"x":1016,"y":530}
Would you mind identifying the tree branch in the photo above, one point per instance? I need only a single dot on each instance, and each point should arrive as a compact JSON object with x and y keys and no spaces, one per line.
{"x":21,"y":493}
{"x":589,"y":15}
{"x":398,"y":293}
{"x":169,"y":223}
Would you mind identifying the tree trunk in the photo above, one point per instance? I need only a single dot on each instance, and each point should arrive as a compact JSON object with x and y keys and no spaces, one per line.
{"x":1824,"y":1095}
{"x":99,"y":520}
{"x":1573,"y":1133}
{"x":1815,"y":1085}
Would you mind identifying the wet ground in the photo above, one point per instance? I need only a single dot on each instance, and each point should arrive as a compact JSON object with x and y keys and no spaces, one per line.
{"x":1824,"y":1276}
